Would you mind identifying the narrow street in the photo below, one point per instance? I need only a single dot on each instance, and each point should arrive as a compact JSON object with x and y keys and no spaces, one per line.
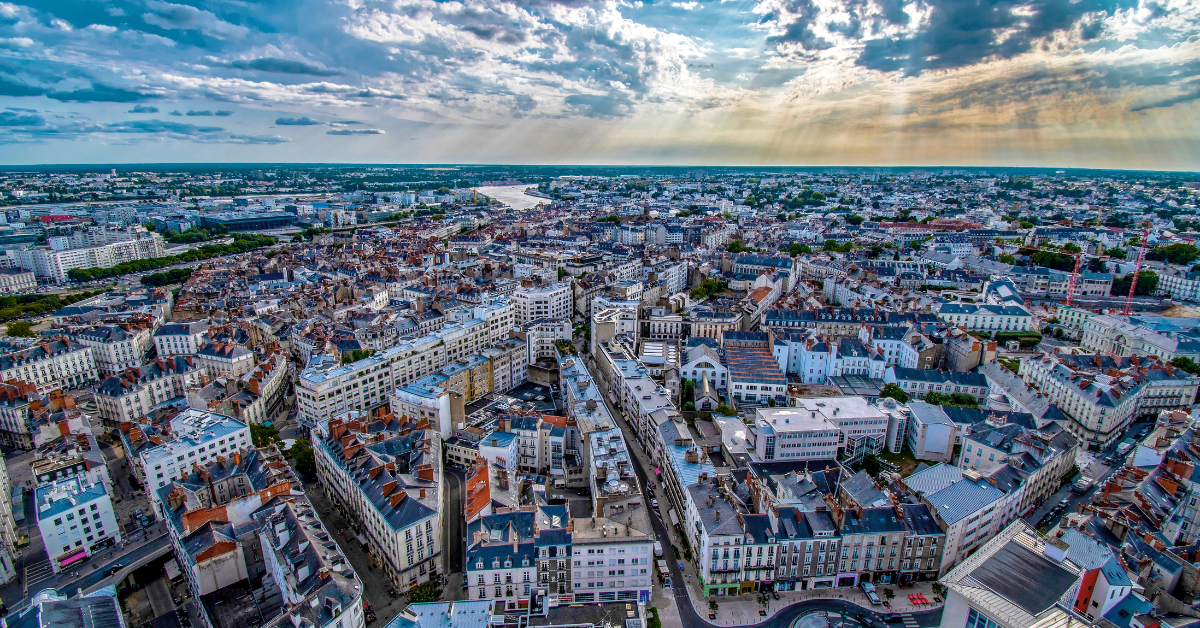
{"x":685,"y":592}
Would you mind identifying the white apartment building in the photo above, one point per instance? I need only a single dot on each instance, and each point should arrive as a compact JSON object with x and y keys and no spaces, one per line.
{"x":970,"y":510}
{"x":864,"y":427}
{"x":50,"y":365}
{"x":295,"y":546}
{"x":76,"y":520}
{"x":200,"y":437}
{"x":180,"y":338}
{"x":611,"y":562}
{"x":398,"y":502}
{"x":986,"y":317}
{"x":499,"y":315}
{"x":1102,"y":404}
{"x":116,"y":348}
{"x":17,"y":280}
{"x":795,"y":433}
{"x":1180,"y":284}
{"x":53,"y":265}
{"x":8,"y":530}
{"x":328,"y":388}
{"x":549,"y":301}
{"x":130,"y":395}
{"x":1123,"y":336}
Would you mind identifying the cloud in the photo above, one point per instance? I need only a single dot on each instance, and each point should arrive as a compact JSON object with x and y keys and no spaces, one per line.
{"x":16,"y":43}
{"x":143,"y":109}
{"x":338,"y":122}
{"x":304,"y":121}
{"x":101,"y":93}
{"x":176,"y":113}
{"x":203,"y":112}
{"x":160,"y":126}
{"x":354,"y":132}
{"x":686,"y":6}
{"x":223,"y":113}
{"x":598,"y":106}
{"x":9,"y":118}
{"x":1169,"y":102}
{"x":170,"y":16}
{"x":281,"y":66}
{"x":258,"y":139}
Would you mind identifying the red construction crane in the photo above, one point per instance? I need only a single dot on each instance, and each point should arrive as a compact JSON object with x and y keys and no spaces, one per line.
{"x":1074,"y":274}
{"x":1137,"y":268}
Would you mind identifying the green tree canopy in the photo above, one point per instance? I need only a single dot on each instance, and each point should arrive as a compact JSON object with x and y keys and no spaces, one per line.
{"x":894,"y":391}
{"x":1146,"y":285}
{"x":20,"y":329}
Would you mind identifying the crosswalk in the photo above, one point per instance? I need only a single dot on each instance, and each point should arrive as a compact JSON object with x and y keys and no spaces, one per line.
{"x":909,"y":622}
{"x":37,"y":572}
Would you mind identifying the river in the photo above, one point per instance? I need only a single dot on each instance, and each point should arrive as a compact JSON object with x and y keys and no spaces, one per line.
{"x":513,"y":196}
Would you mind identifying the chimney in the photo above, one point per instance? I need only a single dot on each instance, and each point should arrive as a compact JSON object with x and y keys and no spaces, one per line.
{"x":1056,"y":549}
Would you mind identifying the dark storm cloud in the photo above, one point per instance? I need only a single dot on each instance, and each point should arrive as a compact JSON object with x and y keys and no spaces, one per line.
{"x":966,"y":32}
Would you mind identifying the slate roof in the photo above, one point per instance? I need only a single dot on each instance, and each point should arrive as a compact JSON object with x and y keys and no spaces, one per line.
{"x":963,"y":499}
{"x":95,"y":610}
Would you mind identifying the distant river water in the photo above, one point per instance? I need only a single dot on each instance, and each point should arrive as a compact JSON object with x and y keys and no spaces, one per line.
{"x":512,"y":195}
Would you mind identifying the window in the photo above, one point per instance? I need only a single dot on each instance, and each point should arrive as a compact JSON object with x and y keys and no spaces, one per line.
{"x":975,"y":619}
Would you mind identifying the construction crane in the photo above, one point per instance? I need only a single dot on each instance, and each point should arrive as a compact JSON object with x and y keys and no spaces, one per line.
{"x":474,"y":196}
{"x":1074,"y":273}
{"x":1137,"y":268}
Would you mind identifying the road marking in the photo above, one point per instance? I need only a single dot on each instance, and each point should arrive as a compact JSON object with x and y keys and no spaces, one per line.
{"x":909,"y":622}
{"x":37,"y":572}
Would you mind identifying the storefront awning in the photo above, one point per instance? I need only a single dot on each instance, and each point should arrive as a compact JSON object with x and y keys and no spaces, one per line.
{"x":73,"y":558}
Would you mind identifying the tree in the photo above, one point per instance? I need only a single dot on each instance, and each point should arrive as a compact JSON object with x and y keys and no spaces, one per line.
{"x":1180,"y":362}
{"x":262,"y":435}
{"x":854,"y":219}
{"x":1146,"y":285}
{"x":725,"y":410}
{"x":301,"y":454}
{"x":20,"y":329}
{"x":1178,"y":253}
{"x":894,"y":391}
{"x":1096,"y":265}
{"x":1116,"y":253}
{"x":1006,"y":258}
{"x":962,"y":400}
{"x":562,"y":272}
{"x":425,"y":592}
{"x":871,"y":465}
{"x":149,"y":226}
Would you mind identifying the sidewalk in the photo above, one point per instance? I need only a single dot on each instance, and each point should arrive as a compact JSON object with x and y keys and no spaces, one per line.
{"x":741,"y":610}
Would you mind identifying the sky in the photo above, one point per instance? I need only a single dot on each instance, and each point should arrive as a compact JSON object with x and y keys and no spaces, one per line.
{"x":1053,"y":83}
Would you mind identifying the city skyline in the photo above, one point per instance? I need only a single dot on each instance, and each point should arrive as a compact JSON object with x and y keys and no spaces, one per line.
{"x":946,"y":83}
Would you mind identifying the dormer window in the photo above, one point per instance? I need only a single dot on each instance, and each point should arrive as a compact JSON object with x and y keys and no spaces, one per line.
{"x":495,"y":563}
{"x":525,"y":563}
{"x":479,"y":564}
{"x":507,"y":562}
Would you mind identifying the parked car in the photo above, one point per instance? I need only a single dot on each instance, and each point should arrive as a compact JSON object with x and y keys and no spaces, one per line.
{"x":654,"y":502}
{"x":112,"y":569}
